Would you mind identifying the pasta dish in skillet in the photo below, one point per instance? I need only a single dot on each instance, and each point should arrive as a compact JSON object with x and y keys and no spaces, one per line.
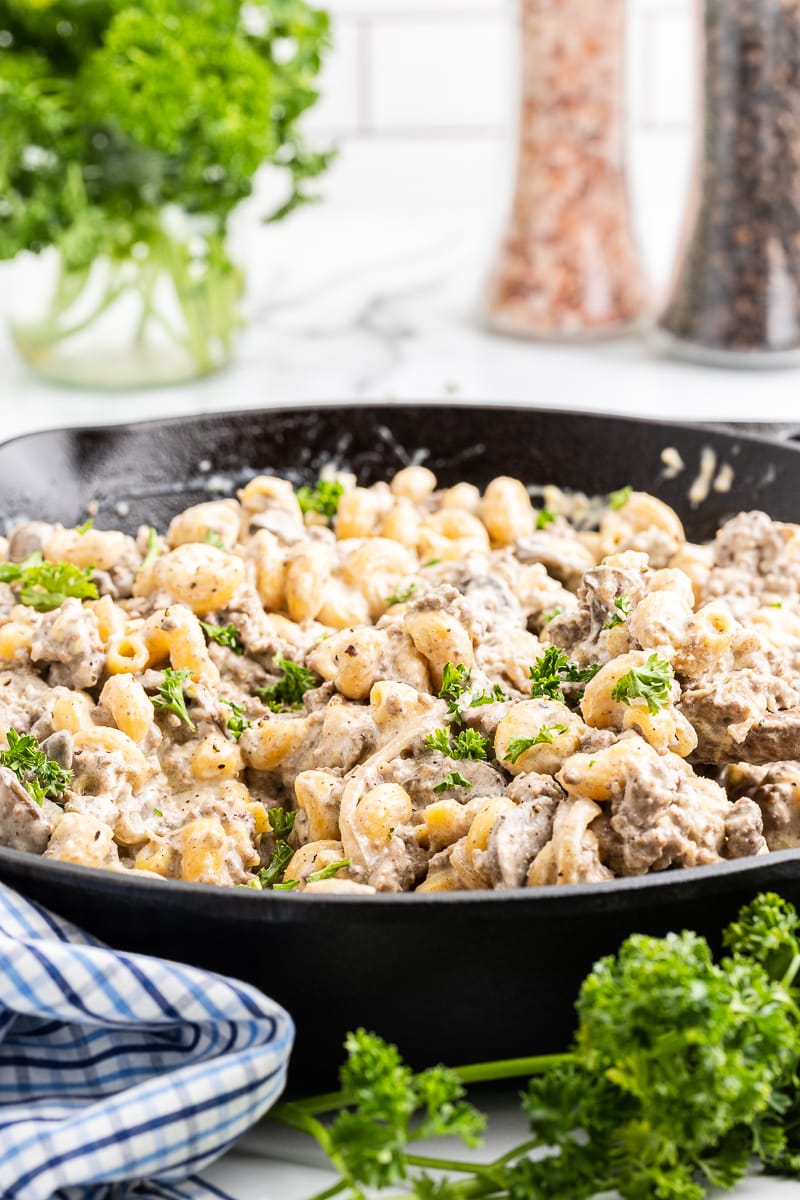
{"x":400,"y":688}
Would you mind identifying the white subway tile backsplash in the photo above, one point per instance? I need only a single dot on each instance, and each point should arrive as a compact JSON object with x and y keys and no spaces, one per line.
{"x":443,"y":72}
{"x":341,"y":103}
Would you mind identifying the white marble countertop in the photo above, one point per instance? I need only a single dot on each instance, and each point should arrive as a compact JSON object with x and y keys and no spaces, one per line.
{"x":273,"y":1163}
{"x":374,"y":296}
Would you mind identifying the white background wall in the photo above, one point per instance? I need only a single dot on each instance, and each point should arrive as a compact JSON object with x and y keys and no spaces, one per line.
{"x":427,"y":89}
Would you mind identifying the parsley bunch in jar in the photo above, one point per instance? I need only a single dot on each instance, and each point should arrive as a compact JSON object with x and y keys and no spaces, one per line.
{"x":130,"y":134}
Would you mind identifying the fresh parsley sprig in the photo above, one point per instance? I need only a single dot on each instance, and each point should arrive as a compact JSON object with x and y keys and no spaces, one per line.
{"x":136,"y":108}
{"x":322,"y":498}
{"x":455,"y":681}
{"x":401,"y":594}
{"x":152,"y":549}
{"x":495,"y":696}
{"x":288,"y":691}
{"x":651,"y":683}
{"x":238,"y":722}
{"x":683,"y":1071}
{"x":624,"y":606}
{"x":45,"y":586}
{"x":41,"y":776}
{"x":328,"y":872}
{"x":544,"y":517}
{"x":383,"y":1109}
{"x":620,"y":498}
{"x":547,"y":674}
{"x":223,"y":635}
{"x":439,"y":740}
{"x":468,"y":743}
{"x":550,"y":672}
{"x":281,"y":823}
{"x":171,"y":696}
{"x":452,"y":780}
{"x":519,"y":745}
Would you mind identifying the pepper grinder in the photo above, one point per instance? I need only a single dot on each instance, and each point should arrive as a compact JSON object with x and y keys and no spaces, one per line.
{"x":735,"y":295}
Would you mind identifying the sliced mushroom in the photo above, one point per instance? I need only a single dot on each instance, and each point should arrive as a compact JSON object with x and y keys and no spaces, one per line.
{"x":361,"y":849}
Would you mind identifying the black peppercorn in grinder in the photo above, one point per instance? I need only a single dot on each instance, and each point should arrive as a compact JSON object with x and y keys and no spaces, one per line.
{"x":735,"y":295}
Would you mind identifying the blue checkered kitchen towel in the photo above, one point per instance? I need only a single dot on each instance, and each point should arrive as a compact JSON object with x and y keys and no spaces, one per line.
{"x":121,"y":1076}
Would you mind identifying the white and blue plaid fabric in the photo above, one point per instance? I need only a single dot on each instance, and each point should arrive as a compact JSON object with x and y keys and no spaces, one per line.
{"x":122,"y":1076}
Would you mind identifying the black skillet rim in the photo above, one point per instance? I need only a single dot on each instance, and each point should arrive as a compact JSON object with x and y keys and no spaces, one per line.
{"x":548,"y":900}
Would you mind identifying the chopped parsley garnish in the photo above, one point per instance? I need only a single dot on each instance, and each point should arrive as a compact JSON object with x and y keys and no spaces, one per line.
{"x":576,"y":674}
{"x":469,"y":743}
{"x":621,"y":497}
{"x":432,"y":562}
{"x":289,"y":690}
{"x":544,"y":518}
{"x":624,"y":606}
{"x":157,"y":812}
{"x":455,"y":681}
{"x":152,"y":549}
{"x":651,"y":683}
{"x":238,"y":722}
{"x":171,"y":695}
{"x":547,"y":674}
{"x":452,"y":780}
{"x":401,"y":595}
{"x":323,"y":498}
{"x":324,"y":873}
{"x":551,"y":614}
{"x":86,"y":526}
{"x":214,"y":539}
{"x":439,"y":740}
{"x":223,"y":635}
{"x":495,"y":696}
{"x":519,"y":745}
{"x":46,"y":585}
{"x":281,"y":823}
{"x":550,"y":672}
{"x":39,"y":775}
{"x":329,"y":871}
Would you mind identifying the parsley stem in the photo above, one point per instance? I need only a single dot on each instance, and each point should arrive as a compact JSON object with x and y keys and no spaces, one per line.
{"x":333,"y":1190}
{"x":291,"y":1114}
{"x":325,"y":1102}
{"x":466,"y":1189}
{"x":448,"y":1164}
{"x":509,"y":1068}
{"x":794,"y":967}
{"x":515,"y":1152}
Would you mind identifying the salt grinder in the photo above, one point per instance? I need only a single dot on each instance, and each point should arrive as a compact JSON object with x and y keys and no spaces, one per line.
{"x":568,"y":267}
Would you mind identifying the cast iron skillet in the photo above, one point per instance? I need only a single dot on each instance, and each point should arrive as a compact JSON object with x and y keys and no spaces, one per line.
{"x":452,"y":977}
